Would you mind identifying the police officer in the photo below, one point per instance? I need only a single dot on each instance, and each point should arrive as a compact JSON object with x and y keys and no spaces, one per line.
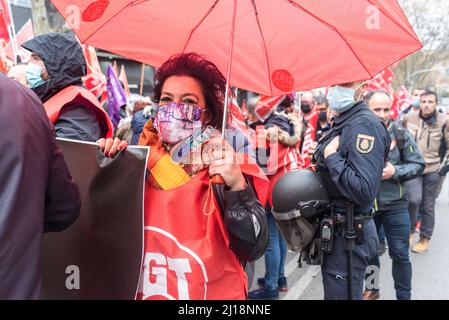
{"x":350,"y":160}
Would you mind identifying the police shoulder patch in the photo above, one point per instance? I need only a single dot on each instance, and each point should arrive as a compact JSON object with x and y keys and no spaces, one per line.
{"x":364,"y":143}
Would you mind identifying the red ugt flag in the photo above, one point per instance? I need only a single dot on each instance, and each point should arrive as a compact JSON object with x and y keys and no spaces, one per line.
{"x":94,"y":80}
{"x":382,"y":81}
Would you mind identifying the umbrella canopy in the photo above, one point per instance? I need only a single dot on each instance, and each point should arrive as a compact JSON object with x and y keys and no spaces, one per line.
{"x":279,"y":46}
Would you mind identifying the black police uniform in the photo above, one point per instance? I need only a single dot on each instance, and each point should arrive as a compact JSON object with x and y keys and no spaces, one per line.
{"x":352,"y":177}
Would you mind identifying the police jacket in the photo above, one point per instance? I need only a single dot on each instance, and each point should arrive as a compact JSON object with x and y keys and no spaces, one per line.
{"x":408,"y":162}
{"x":66,"y":65}
{"x":429,"y":134}
{"x":353,"y":173}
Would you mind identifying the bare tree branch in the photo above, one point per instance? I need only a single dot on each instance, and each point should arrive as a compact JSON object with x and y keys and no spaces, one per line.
{"x":430,"y":22}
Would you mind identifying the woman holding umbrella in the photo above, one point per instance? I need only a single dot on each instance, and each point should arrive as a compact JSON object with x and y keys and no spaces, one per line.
{"x":198,"y":235}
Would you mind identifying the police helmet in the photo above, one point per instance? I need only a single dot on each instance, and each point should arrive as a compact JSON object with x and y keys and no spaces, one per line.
{"x":299,"y":201}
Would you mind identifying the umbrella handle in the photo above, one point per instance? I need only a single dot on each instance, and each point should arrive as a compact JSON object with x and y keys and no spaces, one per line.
{"x":217,"y":179}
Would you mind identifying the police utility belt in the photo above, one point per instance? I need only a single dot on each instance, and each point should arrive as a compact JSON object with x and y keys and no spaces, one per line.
{"x":333,"y":224}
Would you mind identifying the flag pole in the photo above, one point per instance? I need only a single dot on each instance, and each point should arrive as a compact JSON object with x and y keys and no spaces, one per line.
{"x":142,"y":76}
{"x":12,"y":31}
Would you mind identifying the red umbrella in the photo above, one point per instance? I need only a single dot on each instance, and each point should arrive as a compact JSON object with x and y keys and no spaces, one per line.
{"x":273,"y":46}
{"x":278,"y":46}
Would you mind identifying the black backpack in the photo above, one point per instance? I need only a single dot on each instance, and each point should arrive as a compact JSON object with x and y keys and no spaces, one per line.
{"x":399,"y":135}
{"x":442,"y":153}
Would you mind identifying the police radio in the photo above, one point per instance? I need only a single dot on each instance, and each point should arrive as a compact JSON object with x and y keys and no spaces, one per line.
{"x":327,"y":227}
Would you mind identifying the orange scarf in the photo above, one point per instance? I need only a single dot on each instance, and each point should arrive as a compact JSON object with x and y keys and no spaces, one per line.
{"x":164,"y":173}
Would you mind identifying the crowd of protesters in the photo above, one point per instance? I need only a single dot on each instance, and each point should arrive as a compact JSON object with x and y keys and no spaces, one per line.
{"x":411,"y":180}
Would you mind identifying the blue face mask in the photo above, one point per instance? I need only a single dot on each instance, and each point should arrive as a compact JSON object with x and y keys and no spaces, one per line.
{"x":33,"y":75}
{"x":415,"y":102}
{"x":341,"y":99}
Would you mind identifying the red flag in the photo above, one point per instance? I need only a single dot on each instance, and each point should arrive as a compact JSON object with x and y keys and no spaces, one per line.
{"x":401,"y":101}
{"x":24,"y":34}
{"x":2,"y":57}
{"x":404,"y":98}
{"x":266,"y":105}
{"x":394,"y":111}
{"x":94,"y":80}
{"x":281,"y":158}
{"x":244,"y":110}
{"x":309,"y":138}
{"x":124,"y":79}
{"x":5,"y":21}
{"x":104,"y":98}
{"x":382,"y":81}
{"x":2,"y":65}
{"x":236,"y":119}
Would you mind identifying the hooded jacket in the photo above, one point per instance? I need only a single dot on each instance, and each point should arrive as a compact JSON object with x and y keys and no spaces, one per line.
{"x":65,"y":63}
{"x":37,"y":193}
{"x":283,"y":128}
{"x":286,"y":127}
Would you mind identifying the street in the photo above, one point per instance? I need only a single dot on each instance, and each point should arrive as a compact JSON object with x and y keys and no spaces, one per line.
{"x":429,"y":281}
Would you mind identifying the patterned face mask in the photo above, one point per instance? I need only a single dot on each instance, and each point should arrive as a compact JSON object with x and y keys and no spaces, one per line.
{"x":177,"y":121}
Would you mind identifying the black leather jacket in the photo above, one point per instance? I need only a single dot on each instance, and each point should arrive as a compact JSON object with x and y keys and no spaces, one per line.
{"x":243,"y":214}
{"x":245,"y":220}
